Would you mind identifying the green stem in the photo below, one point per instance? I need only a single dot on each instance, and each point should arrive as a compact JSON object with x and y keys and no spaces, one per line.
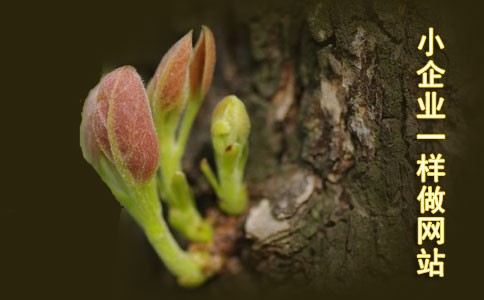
{"x":233,"y":193}
{"x":210,"y":175}
{"x":183,"y":214}
{"x":146,"y":209}
{"x":191,"y":111}
{"x":185,"y":217}
{"x":179,"y":262}
{"x":168,"y":163}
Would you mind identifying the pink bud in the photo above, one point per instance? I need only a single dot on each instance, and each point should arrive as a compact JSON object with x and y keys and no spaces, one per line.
{"x":123,"y":124}
{"x":168,"y":87}
{"x":203,"y":63}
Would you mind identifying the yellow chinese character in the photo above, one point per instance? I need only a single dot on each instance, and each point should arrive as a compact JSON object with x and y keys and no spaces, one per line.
{"x":430,"y":228}
{"x":431,"y":106}
{"x":431,"y":200}
{"x":431,"y":136}
{"x":430,"y":167}
{"x":430,"y":52}
{"x":434,"y":267}
{"x":428,"y":78}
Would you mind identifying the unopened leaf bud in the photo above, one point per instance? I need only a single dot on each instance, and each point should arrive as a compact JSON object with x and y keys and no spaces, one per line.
{"x":168,"y":89}
{"x":123,"y":125}
{"x":202,"y":65}
{"x":230,"y":124}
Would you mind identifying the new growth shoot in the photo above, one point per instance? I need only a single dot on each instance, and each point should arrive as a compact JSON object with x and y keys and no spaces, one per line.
{"x":230,"y":133}
{"x":135,"y":139}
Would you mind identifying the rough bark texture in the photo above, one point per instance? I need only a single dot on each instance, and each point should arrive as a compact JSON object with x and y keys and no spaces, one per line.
{"x":331,"y":90}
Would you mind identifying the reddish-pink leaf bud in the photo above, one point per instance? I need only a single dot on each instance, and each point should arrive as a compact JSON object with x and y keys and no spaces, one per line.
{"x":123,"y":124}
{"x":168,"y":87}
{"x":203,"y":63}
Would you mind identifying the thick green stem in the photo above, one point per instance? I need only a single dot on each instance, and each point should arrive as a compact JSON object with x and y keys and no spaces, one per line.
{"x":185,"y":215}
{"x":234,"y":195}
{"x":188,"y":271}
{"x":144,"y":206}
{"x":232,"y":191}
{"x":169,"y":163}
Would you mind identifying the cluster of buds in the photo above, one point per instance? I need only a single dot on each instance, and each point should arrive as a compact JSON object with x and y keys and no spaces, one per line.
{"x":135,"y":139}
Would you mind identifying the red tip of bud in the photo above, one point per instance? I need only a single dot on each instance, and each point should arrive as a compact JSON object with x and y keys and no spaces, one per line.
{"x":168,"y":86}
{"x":123,"y":124}
{"x":203,"y":63}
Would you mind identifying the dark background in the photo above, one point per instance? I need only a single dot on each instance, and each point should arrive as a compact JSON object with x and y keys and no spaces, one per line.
{"x":59,"y":224}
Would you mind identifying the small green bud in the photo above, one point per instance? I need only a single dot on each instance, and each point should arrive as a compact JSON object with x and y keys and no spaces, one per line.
{"x":230,"y":133}
{"x":220,"y":128}
{"x":230,"y":124}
